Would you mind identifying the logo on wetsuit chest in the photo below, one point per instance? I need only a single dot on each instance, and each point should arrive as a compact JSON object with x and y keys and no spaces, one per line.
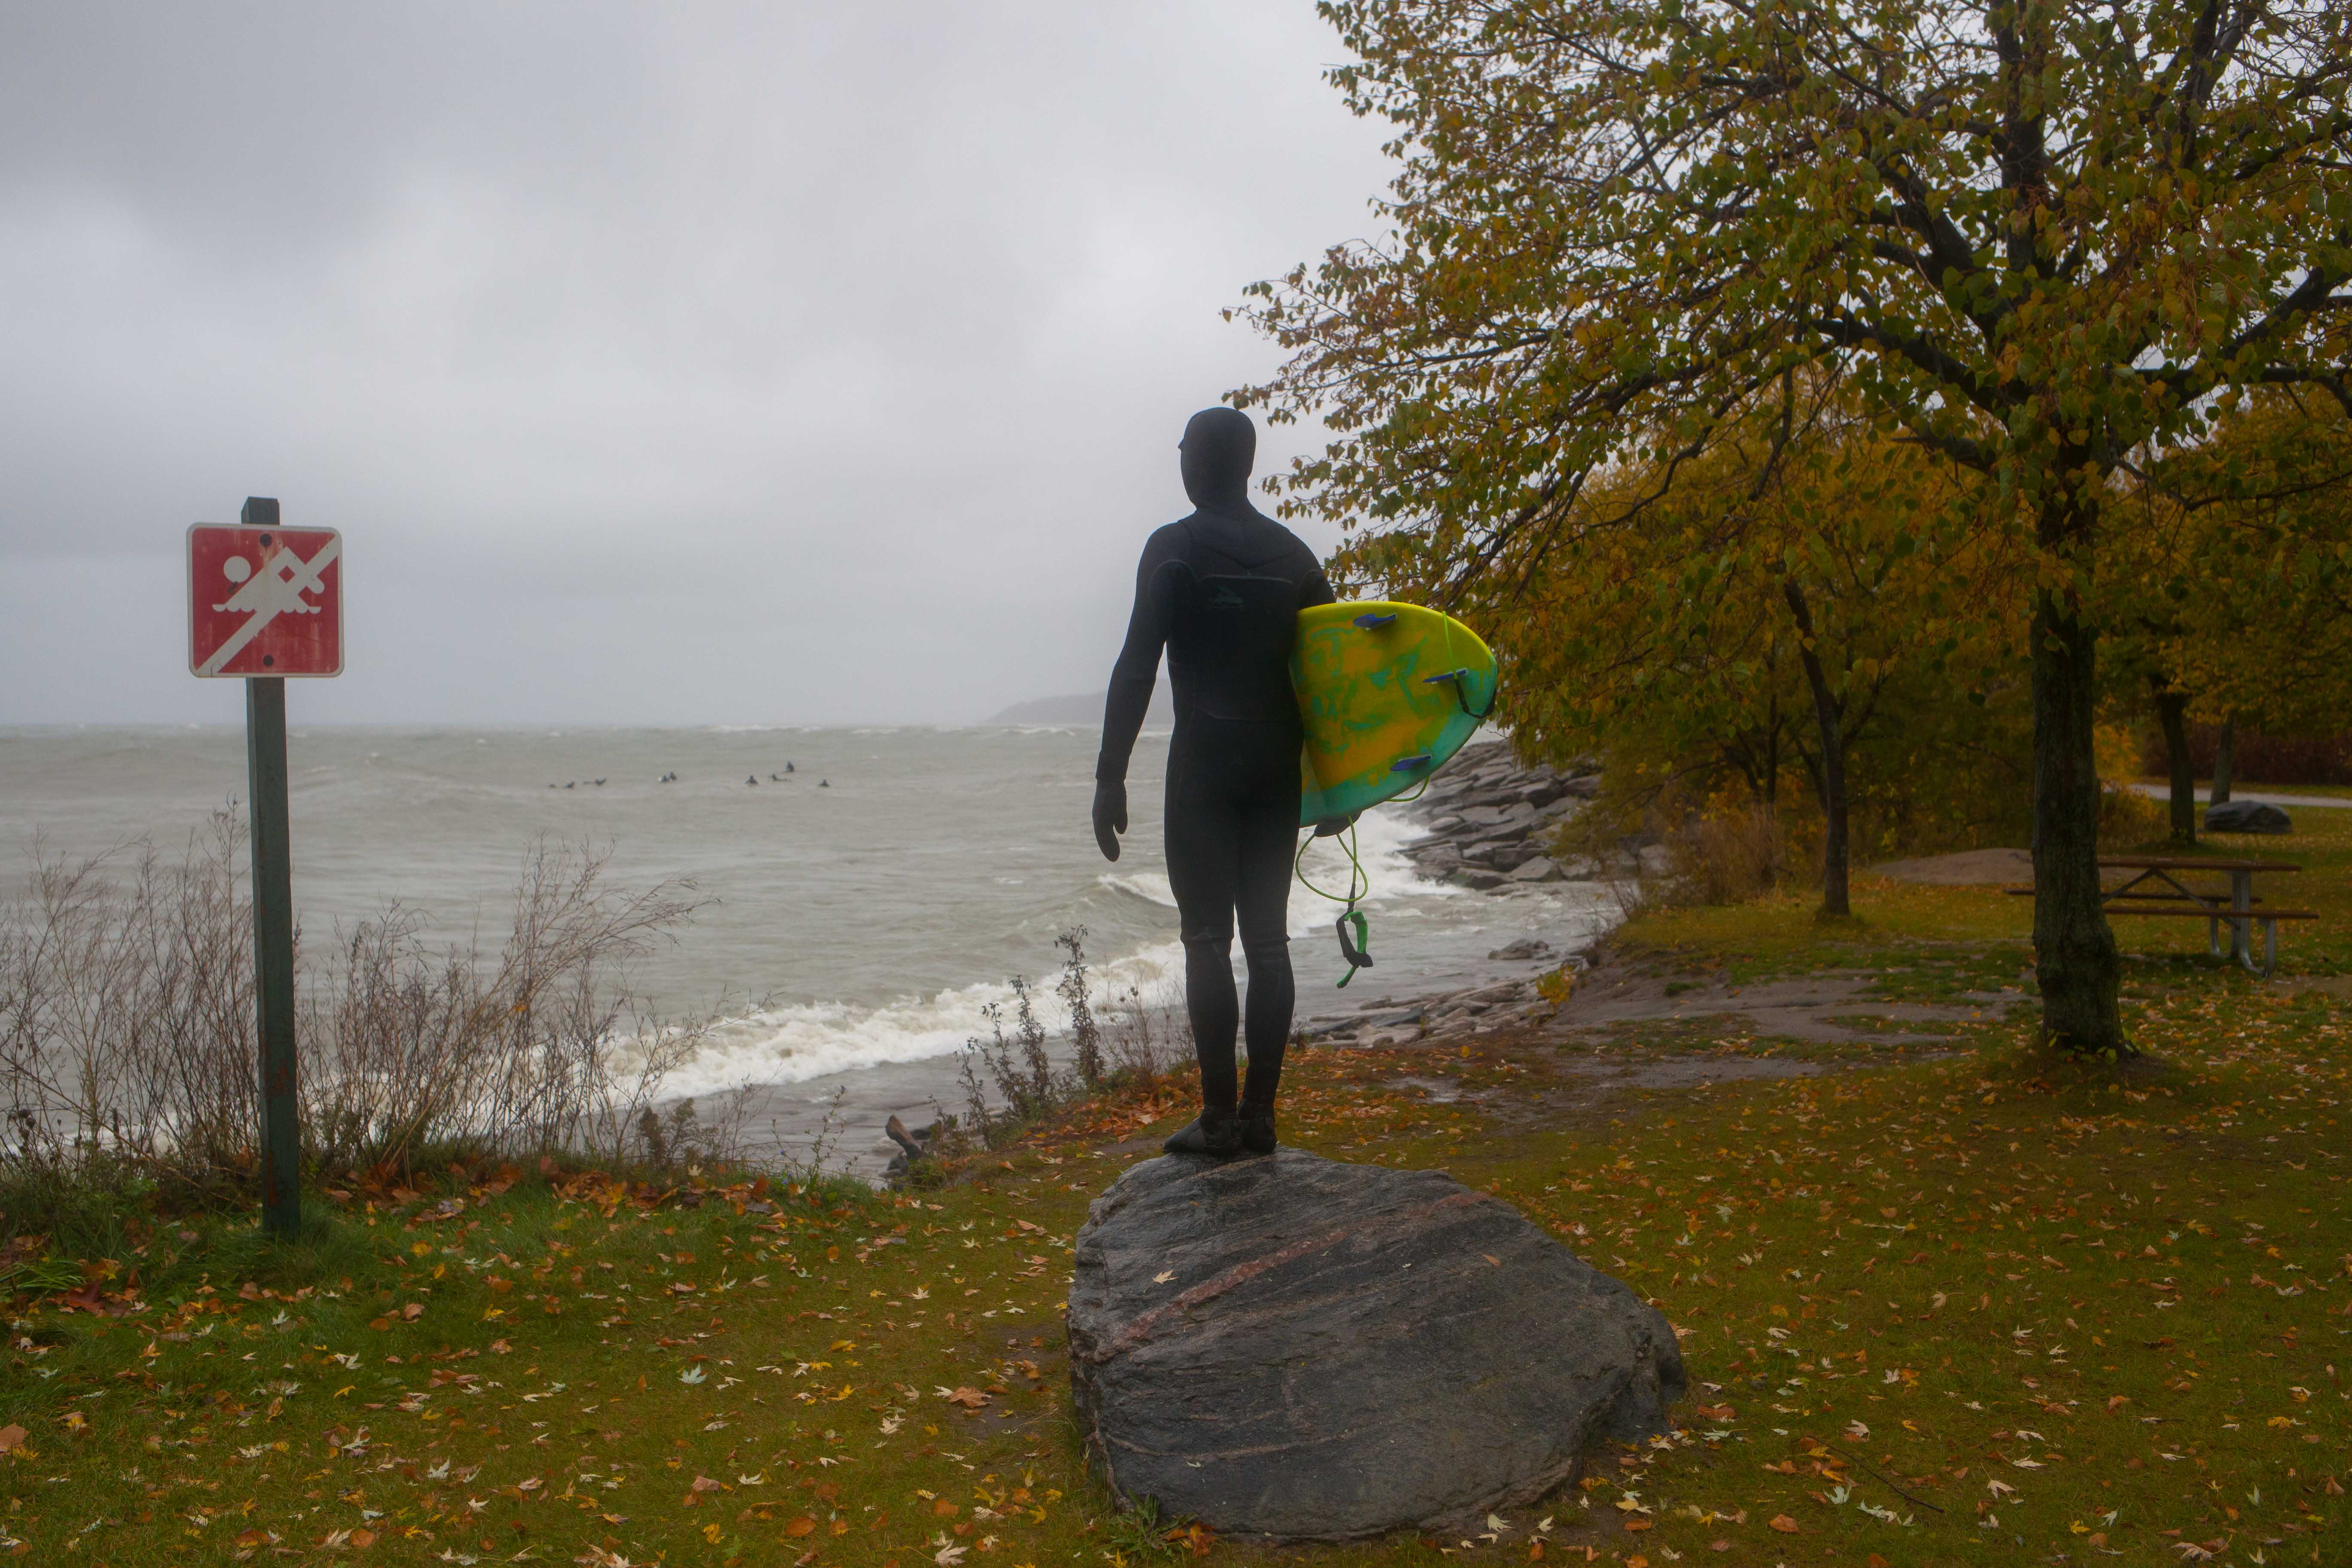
{"x":1225,"y":598}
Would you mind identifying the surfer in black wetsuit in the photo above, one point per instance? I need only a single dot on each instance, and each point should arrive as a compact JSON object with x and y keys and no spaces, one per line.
{"x":1221,"y":591}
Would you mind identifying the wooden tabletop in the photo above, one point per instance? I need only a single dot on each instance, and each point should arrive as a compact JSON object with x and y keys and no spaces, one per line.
{"x":2172,"y":863}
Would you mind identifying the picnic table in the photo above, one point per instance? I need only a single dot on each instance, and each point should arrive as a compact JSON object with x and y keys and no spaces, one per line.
{"x":2157,"y":891}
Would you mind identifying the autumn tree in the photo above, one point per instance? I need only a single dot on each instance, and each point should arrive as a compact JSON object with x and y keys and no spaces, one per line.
{"x":2231,"y":595}
{"x":1797,"y":601}
{"x":2037,"y":237}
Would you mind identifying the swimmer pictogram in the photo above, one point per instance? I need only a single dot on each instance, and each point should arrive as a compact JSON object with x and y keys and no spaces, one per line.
{"x":265,"y":601}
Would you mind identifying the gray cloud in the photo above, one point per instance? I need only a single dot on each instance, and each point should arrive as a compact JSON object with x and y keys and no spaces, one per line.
{"x":679,"y":364}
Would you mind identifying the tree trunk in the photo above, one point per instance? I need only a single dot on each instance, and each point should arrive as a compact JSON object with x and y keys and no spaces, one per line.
{"x":2171,"y":712}
{"x":2225,"y":758}
{"x":1827,"y":718}
{"x":2074,"y":953}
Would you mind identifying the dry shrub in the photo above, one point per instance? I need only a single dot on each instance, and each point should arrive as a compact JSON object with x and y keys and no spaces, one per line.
{"x":127,"y":1028}
{"x":1148,"y":1038}
{"x":1661,"y":844}
{"x":1727,"y":853}
{"x":1127,"y":1041}
{"x":2128,"y":818}
{"x":2256,"y":758}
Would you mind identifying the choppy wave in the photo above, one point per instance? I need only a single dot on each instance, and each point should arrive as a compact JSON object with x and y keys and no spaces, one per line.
{"x":794,"y":1044}
{"x":1149,"y":886}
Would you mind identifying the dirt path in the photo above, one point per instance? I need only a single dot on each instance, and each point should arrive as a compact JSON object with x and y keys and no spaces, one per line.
{"x":1819,"y":1009}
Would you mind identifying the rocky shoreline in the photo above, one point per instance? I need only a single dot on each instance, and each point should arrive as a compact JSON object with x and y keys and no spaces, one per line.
{"x":1490,"y":818}
{"x":1489,"y":823}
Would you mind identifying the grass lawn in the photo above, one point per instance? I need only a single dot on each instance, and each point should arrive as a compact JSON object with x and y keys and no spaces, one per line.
{"x":1956,"y":1306}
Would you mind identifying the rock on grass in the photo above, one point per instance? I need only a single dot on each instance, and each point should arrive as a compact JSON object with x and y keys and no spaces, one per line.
{"x":1293,"y":1349}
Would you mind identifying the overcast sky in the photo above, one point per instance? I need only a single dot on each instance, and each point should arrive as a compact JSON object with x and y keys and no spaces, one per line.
{"x":676,"y":363}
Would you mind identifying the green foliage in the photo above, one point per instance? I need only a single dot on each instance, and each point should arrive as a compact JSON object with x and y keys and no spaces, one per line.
{"x":2034,"y":239}
{"x":1670,"y":633}
{"x":2234,"y":586}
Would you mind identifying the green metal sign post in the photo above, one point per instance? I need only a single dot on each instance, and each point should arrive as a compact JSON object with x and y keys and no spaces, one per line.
{"x":265,"y":603}
{"x":273,"y":949}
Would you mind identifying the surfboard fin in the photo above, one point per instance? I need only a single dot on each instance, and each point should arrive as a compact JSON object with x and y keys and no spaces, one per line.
{"x":1461,"y":680}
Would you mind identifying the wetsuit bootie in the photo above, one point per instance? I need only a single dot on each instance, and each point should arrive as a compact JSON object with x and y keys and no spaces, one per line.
{"x":1217,"y":1133}
{"x":1257,"y":1128}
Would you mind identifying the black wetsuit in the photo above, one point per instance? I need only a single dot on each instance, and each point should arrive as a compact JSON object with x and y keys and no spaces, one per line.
{"x":1222,"y":590}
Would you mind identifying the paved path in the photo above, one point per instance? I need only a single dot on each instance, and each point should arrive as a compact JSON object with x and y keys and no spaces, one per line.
{"x":2161,"y":792}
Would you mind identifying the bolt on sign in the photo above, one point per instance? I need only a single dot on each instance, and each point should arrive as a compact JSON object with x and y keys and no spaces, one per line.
{"x":265,"y":601}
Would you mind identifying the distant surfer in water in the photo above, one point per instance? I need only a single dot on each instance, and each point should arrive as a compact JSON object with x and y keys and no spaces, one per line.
{"x":1221,"y":591}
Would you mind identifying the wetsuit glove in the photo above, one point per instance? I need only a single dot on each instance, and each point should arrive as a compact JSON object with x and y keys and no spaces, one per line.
{"x":1110,"y":814}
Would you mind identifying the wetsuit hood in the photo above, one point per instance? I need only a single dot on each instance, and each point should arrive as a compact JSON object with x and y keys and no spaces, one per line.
{"x":1219,"y":448}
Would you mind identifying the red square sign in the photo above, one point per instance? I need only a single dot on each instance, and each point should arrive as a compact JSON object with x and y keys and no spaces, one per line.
{"x":265,"y":601}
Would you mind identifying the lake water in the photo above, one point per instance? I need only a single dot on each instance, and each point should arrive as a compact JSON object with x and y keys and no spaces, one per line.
{"x":861,"y":910}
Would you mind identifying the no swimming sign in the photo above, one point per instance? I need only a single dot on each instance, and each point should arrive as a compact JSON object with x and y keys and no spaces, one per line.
{"x":265,"y":601}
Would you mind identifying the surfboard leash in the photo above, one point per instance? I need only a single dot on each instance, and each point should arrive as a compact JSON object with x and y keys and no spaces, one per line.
{"x":1358,"y":951}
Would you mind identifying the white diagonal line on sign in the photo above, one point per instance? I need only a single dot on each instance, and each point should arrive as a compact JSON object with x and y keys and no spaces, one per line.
{"x":306,"y":576}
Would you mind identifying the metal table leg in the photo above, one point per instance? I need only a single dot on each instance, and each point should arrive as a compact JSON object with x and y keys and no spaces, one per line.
{"x":2241,"y":897}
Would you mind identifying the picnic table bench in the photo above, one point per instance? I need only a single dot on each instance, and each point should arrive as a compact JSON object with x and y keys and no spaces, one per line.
{"x":2165,"y":894}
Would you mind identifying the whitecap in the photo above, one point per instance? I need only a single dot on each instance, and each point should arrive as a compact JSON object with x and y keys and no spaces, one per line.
{"x":792,"y":1044}
{"x":1149,"y":886}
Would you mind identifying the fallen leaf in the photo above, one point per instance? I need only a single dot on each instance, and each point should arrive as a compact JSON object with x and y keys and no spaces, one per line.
{"x":804,"y":1525}
{"x":10,"y":1437}
{"x":1784,"y":1524}
{"x":1164,"y":1276}
{"x":970,"y":1398}
{"x":1634,"y":1524}
{"x":362,"y":1539}
{"x":413,"y":1311}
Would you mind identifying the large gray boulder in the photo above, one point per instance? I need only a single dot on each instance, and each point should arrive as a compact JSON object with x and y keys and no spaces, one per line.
{"x":1292,"y":1349}
{"x":2246,"y":816}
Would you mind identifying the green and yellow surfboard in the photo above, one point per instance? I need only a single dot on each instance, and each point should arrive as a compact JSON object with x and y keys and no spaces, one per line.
{"x":1389,"y":692}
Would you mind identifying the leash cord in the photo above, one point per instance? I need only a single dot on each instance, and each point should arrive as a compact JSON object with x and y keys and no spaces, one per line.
{"x":1358,"y":953}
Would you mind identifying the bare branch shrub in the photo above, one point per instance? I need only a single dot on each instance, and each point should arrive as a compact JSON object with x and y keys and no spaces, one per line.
{"x":127,"y":1022}
{"x":1725,"y":853}
{"x":1085,"y":1034}
{"x":1009,"y":1081}
{"x":1148,"y":1038}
